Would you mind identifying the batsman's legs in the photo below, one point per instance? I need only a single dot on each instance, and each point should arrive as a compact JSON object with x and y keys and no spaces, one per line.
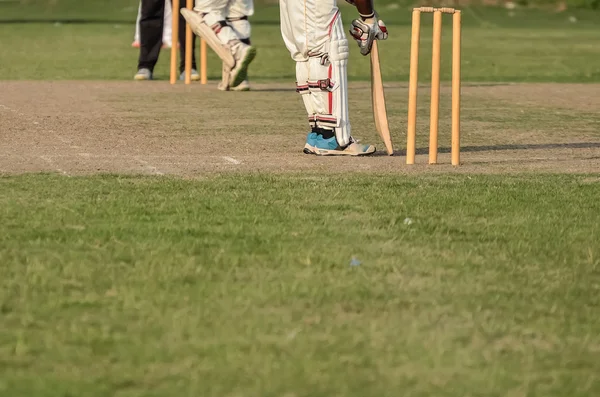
{"x":238,"y":20}
{"x":208,"y":20}
{"x":314,"y":34}
{"x":328,"y":85}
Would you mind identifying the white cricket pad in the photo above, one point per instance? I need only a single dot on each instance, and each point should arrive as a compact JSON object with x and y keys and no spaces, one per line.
{"x":241,"y":27}
{"x":322,"y":81}
{"x":200,"y":28}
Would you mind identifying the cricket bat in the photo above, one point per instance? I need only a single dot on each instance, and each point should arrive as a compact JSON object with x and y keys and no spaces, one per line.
{"x":378,"y":99}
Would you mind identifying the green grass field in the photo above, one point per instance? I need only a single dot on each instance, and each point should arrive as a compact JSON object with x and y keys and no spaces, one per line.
{"x":321,"y":283}
{"x":243,"y":285}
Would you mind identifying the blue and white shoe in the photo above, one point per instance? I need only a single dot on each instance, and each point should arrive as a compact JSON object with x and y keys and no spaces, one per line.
{"x":311,"y":140}
{"x":330,"y":147}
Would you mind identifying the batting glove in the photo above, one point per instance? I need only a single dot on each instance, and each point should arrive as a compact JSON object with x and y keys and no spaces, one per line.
{"x":365,"y":30}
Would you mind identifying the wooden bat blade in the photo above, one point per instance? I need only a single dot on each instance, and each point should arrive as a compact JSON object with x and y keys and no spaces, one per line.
{"x":378,"y":99}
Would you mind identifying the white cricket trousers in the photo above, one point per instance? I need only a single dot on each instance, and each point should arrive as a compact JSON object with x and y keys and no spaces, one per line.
{"x":314,"y":35}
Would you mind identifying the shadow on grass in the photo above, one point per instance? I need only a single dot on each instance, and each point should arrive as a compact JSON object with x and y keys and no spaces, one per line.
{"x":491,"y":148}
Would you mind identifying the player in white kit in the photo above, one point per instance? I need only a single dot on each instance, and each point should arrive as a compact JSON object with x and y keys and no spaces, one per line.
{"x":314,"y":34}
{"x":225,"y":27}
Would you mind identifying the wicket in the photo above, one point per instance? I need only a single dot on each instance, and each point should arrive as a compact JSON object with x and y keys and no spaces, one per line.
{"x":435,"y":83}
{"x":188,"y":47}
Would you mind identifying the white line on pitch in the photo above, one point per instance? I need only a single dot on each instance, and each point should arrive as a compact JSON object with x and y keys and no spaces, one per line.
{"x":231,"y":160}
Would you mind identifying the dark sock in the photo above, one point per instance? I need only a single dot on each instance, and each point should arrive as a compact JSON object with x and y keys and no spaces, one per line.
{"x":326,"y":133}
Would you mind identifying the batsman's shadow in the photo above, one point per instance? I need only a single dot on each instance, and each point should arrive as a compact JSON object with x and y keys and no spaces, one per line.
{"x":526,"y":146}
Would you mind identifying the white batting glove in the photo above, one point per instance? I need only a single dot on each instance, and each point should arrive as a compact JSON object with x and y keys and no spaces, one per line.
{"x":365,"y":30}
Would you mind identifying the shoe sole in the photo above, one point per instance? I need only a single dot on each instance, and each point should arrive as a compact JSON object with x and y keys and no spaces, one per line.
{"x":221,"y":87}
{"x":324,"y":152}
{"x":308,"y":149}
{"x":242,"y":73}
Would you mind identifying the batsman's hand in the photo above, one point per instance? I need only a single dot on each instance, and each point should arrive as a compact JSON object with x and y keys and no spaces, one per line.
{"x":365,"y":31}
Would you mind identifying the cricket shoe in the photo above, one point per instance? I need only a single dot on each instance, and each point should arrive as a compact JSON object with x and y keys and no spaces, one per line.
{"x":143,"y":74}
{"x":330,"y":147}
{"x":194,"y":75}
{"x":243,"y":55}
{"x":244,"y":86}
{"x":311,"y":141}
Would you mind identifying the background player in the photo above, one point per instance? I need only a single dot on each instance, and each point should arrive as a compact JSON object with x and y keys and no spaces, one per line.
{"x":151,"y":34}
{"x":225,"y":27}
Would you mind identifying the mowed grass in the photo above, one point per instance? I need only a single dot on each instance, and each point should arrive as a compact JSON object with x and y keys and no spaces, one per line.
{"x":66,"y":43}
{"x":313,"y":284}
{"x":300,"y":285}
